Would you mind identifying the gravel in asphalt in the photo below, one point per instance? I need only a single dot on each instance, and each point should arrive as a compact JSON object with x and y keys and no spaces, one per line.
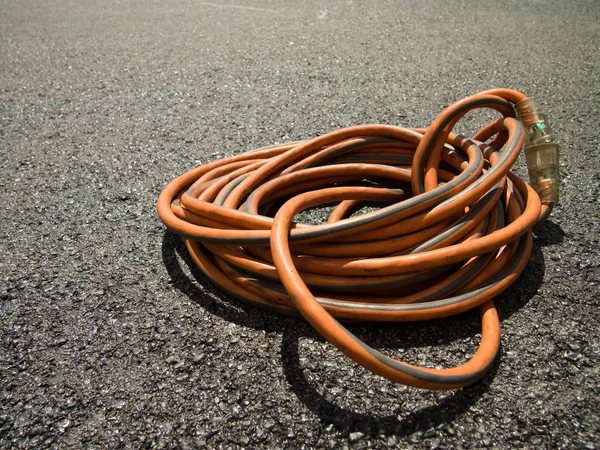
{"x":111,"y":338}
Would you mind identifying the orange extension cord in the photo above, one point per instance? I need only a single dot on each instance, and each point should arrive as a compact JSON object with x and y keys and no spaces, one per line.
{"x":457,"y":230}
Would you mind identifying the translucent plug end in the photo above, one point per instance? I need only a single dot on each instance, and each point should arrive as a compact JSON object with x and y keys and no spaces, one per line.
{"x":541,"y":150}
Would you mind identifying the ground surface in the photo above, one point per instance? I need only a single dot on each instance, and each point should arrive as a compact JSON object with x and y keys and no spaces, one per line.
{"x":108,"y":338}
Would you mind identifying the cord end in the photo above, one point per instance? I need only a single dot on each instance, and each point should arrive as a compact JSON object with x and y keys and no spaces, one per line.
{"x":541,"y":150}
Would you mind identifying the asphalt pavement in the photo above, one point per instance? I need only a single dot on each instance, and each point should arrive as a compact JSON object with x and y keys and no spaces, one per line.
{"x":110,"y":338}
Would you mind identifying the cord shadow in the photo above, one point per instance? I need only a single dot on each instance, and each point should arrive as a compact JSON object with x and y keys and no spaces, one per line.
{"x":520,"y":293}
{"x":347,"y":421}
{"x":409,"y":336}
{"x":205,"y":294}
{"x":549,"y":234}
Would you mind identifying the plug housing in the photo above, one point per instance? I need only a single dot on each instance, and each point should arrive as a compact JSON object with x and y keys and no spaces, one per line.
{"x":541,"y":150}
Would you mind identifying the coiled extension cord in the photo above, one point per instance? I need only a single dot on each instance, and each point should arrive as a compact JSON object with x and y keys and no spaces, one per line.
{"x":456,"y":231}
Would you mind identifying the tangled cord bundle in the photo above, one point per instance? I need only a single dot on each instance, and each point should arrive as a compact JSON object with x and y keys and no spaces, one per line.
{"x":456,"y":231}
